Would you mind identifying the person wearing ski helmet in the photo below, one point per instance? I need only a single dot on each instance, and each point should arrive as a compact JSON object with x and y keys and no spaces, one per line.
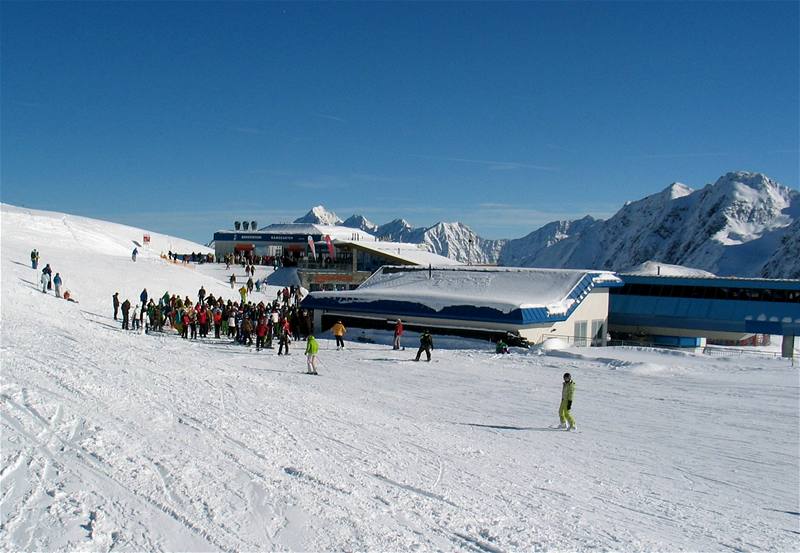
{"x":567,"y":393}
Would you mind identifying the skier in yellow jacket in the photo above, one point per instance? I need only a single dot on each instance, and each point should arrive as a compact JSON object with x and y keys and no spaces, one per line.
{"x":567,"y":391}
{"x":338,"y":331}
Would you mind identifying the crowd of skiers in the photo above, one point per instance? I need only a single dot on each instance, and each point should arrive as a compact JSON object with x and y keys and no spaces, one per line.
{"x":260,"y":324}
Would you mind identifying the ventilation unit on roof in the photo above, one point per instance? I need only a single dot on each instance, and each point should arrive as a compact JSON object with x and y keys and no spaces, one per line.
{"x":253,"y":225}
{"x":237,"y":225}
{"x":245,"y":225}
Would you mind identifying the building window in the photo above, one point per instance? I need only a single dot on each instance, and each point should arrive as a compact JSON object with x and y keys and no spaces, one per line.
{"x":708,"y":292}
{"x":580,"y":333}
{"x":598,"y":332}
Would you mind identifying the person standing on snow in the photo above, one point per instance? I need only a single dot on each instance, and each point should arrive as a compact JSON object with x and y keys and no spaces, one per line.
{"x":34,"y":259}
{"x":49,"y":272}
{"x":45,"y":280}
{"x":247,"y":330}
{"x":217,"y":321}
{"x":283,"y":340}
{"x":398,"y":331}
{"x":567,"y":392}
{"x":57,"y":284}
{"x":201,"y":294}
{"x":143,"y":299}
{"x":243,"y":294}
{"x":339,"y":331}
{"x":115,"y":300}
{"x":192,"y":322}
{"x":134,"y":253}
{"x":261,"y":333}
{"x":232,"y":280}
{"x":126,"y":307}
{"x":425,"y":344}
{"x":312,"y":348}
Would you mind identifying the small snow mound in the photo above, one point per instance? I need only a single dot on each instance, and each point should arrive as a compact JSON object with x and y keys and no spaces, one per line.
{"x":665,"y":269}
{"x":554,"y":344}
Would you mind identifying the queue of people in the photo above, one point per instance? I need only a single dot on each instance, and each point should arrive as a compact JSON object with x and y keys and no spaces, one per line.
{"x":49,"y":280}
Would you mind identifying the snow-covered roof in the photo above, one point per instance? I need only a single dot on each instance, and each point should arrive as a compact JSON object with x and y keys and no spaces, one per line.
{"x":549,"y":292}
{"x":336,"y":232}
{"x":416,"y":254}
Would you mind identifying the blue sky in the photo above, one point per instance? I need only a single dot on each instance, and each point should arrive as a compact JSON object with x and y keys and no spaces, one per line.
{"x":181,"y":117}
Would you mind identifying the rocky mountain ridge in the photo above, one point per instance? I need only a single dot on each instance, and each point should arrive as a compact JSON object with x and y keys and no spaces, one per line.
{"x":744,"y":224}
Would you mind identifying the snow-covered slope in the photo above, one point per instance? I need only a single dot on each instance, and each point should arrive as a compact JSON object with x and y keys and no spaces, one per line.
{"x":115,"y":441}
{"x":318,"y":215}
{"x":785,"y":260}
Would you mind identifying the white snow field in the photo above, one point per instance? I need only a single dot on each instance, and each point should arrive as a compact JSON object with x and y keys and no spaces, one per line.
{"x":118,"y":441}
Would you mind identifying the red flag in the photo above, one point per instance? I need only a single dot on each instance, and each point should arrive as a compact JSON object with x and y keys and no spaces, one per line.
{"x":313,"y":249}
{"x":330,"y":246}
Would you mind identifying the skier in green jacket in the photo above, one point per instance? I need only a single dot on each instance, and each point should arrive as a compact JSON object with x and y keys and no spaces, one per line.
{"x":312,"y":347}
{"x":567,"y":391}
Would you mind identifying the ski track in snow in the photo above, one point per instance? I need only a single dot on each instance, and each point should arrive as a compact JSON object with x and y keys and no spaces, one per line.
{"x":114,"y":440}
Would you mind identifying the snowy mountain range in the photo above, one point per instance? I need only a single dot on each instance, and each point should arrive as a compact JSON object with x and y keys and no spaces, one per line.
{"x":744,"y":224}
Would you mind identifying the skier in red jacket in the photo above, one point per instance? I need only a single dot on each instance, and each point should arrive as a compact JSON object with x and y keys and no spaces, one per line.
{"x":398,"y":331}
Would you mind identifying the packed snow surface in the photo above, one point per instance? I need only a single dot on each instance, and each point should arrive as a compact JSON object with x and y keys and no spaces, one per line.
{"x":113,"y":440}
{"x":665,"y":269}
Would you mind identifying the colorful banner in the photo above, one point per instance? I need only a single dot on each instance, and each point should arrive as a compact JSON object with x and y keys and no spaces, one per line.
{"x":331,"y":251}
{"x":313,"y":249}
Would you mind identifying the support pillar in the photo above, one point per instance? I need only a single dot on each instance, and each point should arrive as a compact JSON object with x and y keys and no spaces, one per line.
{"x":787,"y":346}
{"x":317,"y":328}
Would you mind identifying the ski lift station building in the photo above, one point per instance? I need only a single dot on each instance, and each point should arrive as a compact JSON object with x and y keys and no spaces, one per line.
{"x":489,"y":301}
{"x":356,"y":254}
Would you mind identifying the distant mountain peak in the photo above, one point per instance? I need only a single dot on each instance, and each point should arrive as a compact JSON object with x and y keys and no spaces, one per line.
{"x":360,"y":222}
{"x":676,"y":190}
{"x":753,"y":180}
{"x":318,"y":215}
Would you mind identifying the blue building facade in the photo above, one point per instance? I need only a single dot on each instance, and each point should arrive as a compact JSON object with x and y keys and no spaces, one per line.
{"x":669,"y":306}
